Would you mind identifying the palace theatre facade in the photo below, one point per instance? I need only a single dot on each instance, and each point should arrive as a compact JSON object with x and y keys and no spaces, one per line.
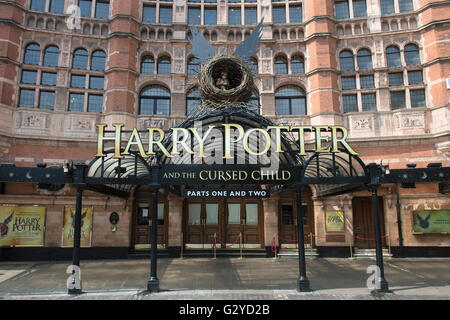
{"x":375,"y":67}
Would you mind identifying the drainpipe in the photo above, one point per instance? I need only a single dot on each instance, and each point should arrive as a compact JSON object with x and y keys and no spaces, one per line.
{"x":399,"y":221}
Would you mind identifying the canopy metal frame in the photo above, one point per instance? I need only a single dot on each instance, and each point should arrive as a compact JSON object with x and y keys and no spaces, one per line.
{"x":330,"y":173}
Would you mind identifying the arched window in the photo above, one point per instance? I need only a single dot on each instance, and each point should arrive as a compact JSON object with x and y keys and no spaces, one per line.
{"x":51,"y":55}
{"x":412,"y":56}
{"x":148,"y":65}
{"x":393,"y":56}
{"x":297,"y":65}
{"x":164,"y":65}
{"x":80,"y":59}
{"x":290,"y":99}
{"x":253,"y":103}
{"x":32,"y":54}
{"x":346,"y":61}
{"x":154,"y":99}
{"x":192,"y":100}
{"x":280,"y":65}
{"x":98,"y":60}
{"x":253,"y":65}
{"x":193,"y":66}
{"x":364,"y":59}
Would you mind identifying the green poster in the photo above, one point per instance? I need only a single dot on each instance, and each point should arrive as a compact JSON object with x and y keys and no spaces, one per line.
{"x":431,"y":221}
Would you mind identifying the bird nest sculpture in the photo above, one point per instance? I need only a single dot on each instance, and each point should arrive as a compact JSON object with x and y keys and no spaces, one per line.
{"x":225,"y":81}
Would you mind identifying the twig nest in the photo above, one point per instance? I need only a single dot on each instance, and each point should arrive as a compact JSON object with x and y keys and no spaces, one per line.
{"x":225,"y":80}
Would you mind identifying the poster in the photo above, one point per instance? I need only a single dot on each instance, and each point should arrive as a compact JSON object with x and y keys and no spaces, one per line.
{"x":22,"y":225}
{"x":431,"y":221}
{"x":334,"y":221}
{"x":86,"y":226}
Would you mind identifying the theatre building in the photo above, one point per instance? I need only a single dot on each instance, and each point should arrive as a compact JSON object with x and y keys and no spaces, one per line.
{"x":378,"y":68}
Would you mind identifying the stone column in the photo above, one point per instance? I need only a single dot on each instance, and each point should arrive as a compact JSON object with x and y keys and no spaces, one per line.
{"x":175,"y":225}
{"x":270,"y":211}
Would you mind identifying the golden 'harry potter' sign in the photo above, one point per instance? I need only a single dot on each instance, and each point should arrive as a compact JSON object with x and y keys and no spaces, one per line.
{"x":231,"y":133}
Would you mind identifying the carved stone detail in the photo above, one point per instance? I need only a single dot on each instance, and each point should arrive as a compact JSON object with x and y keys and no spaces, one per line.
{"x":360,"y":124}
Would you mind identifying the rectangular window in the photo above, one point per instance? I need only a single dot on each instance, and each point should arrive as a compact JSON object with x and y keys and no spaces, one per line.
{"x":398,"y":100}
{"x":95,"y":103}
{"x":26,"y":99}
{"x":279,"y":14}
{"x":46,"y":100}
{"x":298,"y":106}
{"x":369,"y":101}
{"x":234,"y":213}
{"x":210,"y":16}
{"x":342,"y":10}
{"x":102,"y":9}
{"x":76,"y":102}
{"x":282,"y":106}
{"x":85,"y":8}
{"x":96,"y":83}
{"x":149,"y":14}
{"x":405,"y":5}
{"x":350,"y":103}
{"x":295,"y":14}
{"x":165,"y":15}
{"x":417,"y":98}
{"x":48,"y":79}
{"x":395,"y":79}
{"x":210,"y":1}
{"x":387,"y":6}
{"x":359,"y":8}
{"x":38,"y":5}
{"x":57,"y":6}
{"x":348,"y":83}
{"x":234,"y":1}
{"x":163,"y":106}
{"x":366,"y":82}
{"x":194,"y":16}
{"x":77,"y":81}
{"x":234,"y":16}
{"x":250,"y":16}
{"x":415,"y":77}
{"x":29,"y":77}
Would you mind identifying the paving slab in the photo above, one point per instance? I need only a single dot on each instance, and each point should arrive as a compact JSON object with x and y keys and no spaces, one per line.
{"x":227,"y":278}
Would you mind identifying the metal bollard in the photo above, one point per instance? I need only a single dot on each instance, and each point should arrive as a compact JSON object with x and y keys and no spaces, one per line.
{"x":182,"y":245}
{"x":351,"y":250}
{"x":215,"y":247}
{"x":275,"y":247}
{"x":389,"y":246}
{"x":240,"y":245}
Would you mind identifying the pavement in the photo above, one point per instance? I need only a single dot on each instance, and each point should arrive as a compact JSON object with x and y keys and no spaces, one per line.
{"x":227,"y":279}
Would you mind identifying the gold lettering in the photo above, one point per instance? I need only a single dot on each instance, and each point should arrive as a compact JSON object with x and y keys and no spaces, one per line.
{"x":200,"y":140}
{"x":335,"y":140}
{"x":182,"y":142}
{"x":301,"y":137}
{"x":138,"y":142}
{"x":117,"y":139}
{"x":151,"y":141}
{"x":246,"y":137}
{"x":319,"y":138}
{"x":228,"y":138}
{"x":277,"y":130}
